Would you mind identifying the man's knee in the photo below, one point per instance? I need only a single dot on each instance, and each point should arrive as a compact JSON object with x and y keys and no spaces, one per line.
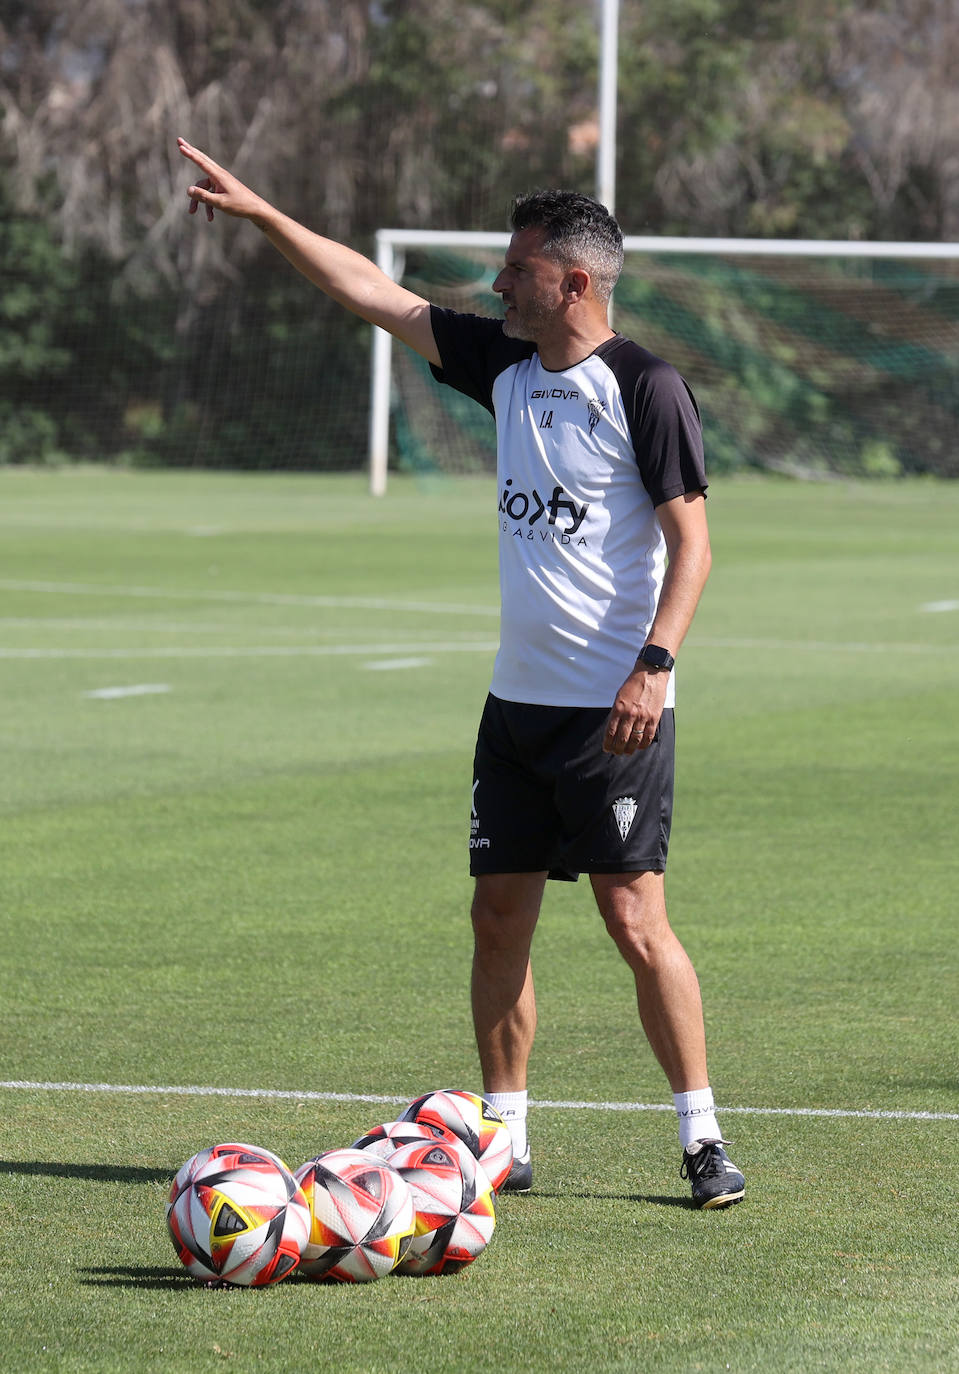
{"x":505,"y":909}
{"x":633,"y":908}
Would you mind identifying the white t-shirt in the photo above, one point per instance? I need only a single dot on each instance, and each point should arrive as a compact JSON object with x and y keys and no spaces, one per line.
{"x":584,"y":456}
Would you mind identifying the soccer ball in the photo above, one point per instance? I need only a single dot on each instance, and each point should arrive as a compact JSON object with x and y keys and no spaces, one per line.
{"x":362,"y":1216}
{"x":236,"y":1215}
{"x":472,"y":1120}
{"x":231,"y":1155}
{"x":453,"y":1197}
{"x":383,"y":1140}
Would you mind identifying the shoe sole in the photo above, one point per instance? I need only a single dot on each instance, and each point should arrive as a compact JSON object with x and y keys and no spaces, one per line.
{"x":727,"y":1200}
{"x":516,"y":1185}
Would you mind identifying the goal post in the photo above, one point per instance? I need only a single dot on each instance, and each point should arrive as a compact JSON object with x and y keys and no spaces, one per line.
{"x":810,"y":356}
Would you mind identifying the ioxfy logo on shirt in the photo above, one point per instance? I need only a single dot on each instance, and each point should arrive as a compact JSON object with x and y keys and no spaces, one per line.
{"x":520,"y":506}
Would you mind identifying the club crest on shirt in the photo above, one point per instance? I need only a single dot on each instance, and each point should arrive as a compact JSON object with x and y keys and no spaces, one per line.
{"x":596,"y":409}
{"x":624,"y":809}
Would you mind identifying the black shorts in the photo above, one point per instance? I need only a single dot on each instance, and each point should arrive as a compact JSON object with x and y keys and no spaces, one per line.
{"x":546,"y":796}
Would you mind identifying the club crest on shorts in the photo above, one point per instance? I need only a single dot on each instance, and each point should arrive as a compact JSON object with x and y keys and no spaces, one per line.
{"x":624,"y":809}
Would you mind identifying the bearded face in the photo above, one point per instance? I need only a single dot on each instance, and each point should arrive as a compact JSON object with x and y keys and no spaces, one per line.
{"x":531,"y":287}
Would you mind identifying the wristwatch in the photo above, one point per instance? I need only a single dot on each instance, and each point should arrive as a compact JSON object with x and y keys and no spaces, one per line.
{"x":654,"y":657}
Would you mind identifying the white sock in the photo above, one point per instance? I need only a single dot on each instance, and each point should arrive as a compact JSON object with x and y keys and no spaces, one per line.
{"x":697,"y":1116}
{"x":512,"y":1108}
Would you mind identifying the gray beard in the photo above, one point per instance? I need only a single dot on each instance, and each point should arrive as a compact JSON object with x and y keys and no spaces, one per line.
{"x":527,"y":326}
{"x":513,"y":329}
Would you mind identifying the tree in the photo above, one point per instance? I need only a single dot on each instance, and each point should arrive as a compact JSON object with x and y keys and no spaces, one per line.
{"x":831,"y":119}
{"x":35,"y":286}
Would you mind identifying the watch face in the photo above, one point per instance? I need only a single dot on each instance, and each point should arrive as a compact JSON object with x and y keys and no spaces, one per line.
{"x":657,"y":657}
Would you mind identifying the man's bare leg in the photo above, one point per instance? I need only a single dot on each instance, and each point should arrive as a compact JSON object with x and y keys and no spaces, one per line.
{"x":633,"y":905}
{"x":505,"y":911}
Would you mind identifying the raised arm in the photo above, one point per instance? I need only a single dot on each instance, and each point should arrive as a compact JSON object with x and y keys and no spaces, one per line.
{"x":346,"y":276}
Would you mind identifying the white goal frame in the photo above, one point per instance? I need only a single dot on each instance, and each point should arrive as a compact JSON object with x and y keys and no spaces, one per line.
{"x":390,"y":258}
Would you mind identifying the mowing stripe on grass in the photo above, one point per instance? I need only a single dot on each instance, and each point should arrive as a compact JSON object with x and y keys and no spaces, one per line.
{"x":198,"y":1091}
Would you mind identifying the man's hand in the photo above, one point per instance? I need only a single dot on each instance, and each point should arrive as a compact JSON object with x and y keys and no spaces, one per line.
{"x":634,"y":719}
{"x":344,"y":275}
{"x":219,"y":190}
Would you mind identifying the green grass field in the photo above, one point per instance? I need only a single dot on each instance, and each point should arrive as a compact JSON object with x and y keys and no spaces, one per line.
{"x":249,"y":874}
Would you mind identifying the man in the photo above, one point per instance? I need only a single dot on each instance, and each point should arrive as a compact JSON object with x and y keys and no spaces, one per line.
{"x":604,"y":552}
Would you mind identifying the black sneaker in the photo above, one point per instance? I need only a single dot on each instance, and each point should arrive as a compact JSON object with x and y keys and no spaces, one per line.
{"x":715,"y":1180}
{"x":520,"y":1177}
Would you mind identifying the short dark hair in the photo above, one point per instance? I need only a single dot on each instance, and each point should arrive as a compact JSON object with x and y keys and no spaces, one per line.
{"x":577,"y":232}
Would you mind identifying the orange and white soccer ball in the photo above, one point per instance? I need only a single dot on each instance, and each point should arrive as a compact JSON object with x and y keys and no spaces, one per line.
{"x":474,"y":1121}
{"x":362,"y":1216}
{"x":453,"y":1197}
{"x":236,"y":1215}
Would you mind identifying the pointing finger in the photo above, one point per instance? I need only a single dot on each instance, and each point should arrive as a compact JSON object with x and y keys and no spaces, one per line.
{"x":205,"y":163}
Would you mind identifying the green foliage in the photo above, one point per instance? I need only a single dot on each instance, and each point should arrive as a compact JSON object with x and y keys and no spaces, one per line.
{"x":92,"y":368}
{"x":28,"y":435}
{"x":277,"y":378}
{"x":120,"y":319}
{"x":36,"y":283}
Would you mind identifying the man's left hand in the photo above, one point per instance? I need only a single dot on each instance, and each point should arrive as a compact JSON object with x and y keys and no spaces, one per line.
{"x":634,"y":719}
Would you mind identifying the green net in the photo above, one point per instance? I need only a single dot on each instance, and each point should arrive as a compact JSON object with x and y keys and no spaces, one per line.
{"x":806,"y":365}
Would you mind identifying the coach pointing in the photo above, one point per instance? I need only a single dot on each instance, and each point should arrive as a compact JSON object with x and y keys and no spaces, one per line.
{"x":604,"y":553}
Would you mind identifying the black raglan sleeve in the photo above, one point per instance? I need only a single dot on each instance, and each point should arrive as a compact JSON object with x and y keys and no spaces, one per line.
{"x":667,"y":435}
{"x":474,"y":351}
{"x":664,"y":421}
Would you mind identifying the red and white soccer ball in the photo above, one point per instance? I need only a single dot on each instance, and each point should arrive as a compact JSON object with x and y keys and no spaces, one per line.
{"x":362,"y":1216}
{"x":232,"y":1155}
{"x":472,"y":1120}
{"x":387,"y":1138}
{"x":236,"y":1215}
{"x":453,"y":1197}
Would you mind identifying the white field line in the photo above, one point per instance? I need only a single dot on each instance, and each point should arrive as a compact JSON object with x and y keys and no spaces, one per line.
{"x":281,"y":1093}
{"x":363,"y":603}
{"x":139,"y":689}
{"x":188,"y":651}
{"x":116,"y":623}
{"x":225,"y":596}
{"x":819,"y":646}
{"x":389,"y":665}
{"x":404,"y":651}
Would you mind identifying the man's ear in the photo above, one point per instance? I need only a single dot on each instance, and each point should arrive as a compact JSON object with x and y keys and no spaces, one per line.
{"x":575,"y":284}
